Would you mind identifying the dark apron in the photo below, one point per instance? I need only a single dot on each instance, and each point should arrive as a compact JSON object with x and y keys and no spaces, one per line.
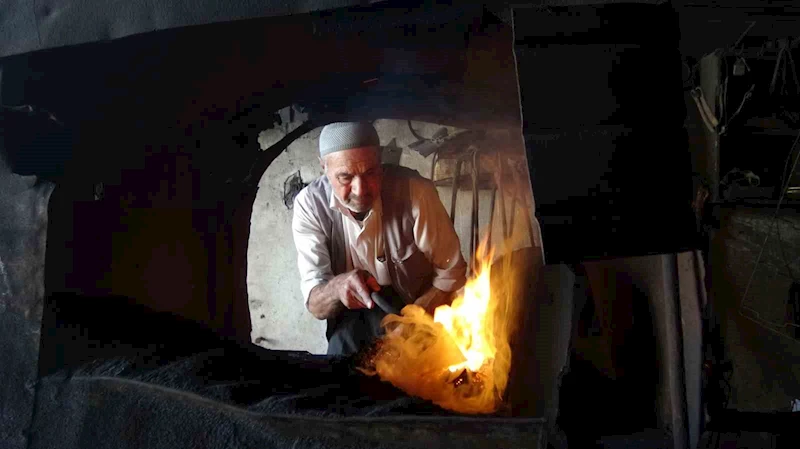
{"x":356,"y":329}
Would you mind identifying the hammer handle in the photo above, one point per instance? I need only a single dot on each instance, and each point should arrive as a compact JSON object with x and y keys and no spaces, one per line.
{"x":385,"y":305}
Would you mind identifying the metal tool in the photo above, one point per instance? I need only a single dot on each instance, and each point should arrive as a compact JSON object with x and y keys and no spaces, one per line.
{"x":384,"y":305}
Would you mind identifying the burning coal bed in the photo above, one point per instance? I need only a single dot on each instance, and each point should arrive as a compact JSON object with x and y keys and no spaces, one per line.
{"x":458,"y":358}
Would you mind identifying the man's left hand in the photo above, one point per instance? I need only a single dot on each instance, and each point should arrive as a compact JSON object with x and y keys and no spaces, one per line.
{"x":432,"y":299}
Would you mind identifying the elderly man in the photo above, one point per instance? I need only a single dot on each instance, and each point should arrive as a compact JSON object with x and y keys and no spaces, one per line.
{"x":363,"y":227}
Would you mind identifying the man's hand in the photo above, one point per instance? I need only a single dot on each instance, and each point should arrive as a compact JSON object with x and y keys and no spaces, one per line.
{"x":351,"y":290}
{"x":354,"y":289}
{"x":433,"y":298}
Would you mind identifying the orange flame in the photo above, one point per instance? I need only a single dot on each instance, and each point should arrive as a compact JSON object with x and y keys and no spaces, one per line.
{"x":467,"y":321}
{"x":459,"y":358}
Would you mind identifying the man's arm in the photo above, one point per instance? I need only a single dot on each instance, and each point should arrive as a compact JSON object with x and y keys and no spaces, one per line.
{"x":435,"y":236}
{"x":434,"y":298}
{"x":325,"y":294}
{"x":350,"y":290}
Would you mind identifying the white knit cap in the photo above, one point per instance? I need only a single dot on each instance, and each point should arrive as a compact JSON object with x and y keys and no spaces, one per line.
{"x":346,"y":135}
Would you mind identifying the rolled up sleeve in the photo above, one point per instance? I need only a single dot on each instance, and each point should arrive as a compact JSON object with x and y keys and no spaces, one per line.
{"x":436,"y":238}
{"x":313,"y":258}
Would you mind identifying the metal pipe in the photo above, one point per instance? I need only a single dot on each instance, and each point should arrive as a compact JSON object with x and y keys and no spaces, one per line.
{"x":475,"y":208}
{"x":513,"y":212}
{"x":675,"y":351}
{"x":433,"y":164}
{"x":491,"y":218}
{"x":501,"y":192}
{"x":454,"y":194}
{"x":529,"y":217}
{"x":527,"y":200}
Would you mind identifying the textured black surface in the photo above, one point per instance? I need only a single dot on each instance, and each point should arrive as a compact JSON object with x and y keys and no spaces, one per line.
{"x":177,"y":385}
{"x":36,"y":142}
{"x":608,"y":155}
{"x":31,"y":25}
{"x":23,"y":224}
{"x":114,"y":413}
{"x":79,"y":340}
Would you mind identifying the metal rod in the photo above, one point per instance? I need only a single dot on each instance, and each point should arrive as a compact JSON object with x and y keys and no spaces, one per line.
{"x":676,"y":368}
{"x":794,"y":71}
{"x":475,"y":208}
{"x":513,"y":212}
{"x":529,"y":218}
{"x":501,"y":192}
{"x":527,"y":201}
{"x":454,"y":195}
{"x":491,"y":217}
{"x":531,"y":232}
{"x":433,"y":164}
{"x":777,"y":67}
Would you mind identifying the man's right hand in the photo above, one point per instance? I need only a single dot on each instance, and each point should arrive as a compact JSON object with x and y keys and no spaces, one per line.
{"x":351,"y":290}
{"x":354,"y":289}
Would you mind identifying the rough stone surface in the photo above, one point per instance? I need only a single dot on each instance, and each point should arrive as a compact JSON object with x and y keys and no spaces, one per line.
{"x":23,"y":226}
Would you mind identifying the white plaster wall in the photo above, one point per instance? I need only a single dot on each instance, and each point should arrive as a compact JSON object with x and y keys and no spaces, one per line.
{"x":279,"y":318}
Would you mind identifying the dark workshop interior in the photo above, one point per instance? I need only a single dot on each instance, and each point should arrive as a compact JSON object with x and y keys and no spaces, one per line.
{"x":648,"y":150}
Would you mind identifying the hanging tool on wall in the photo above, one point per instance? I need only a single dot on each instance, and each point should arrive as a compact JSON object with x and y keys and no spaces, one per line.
{"x":708,"y":117}
{"x":425,"y":146}
{"x":495,"y":178}
{"x":471,"y":156}
{"x":474,"y":230}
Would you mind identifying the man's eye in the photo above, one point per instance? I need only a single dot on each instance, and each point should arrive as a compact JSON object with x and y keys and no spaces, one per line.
{"x":345,"y":179}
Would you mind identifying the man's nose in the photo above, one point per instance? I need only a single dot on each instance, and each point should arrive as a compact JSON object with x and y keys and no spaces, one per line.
{"x":356,"y":185}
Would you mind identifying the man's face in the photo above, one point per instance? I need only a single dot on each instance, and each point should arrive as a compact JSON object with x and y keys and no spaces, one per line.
{"x":355,"y":176}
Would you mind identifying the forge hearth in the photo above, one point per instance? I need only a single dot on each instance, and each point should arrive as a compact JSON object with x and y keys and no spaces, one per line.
{"x":154,"y":181}
{"x":180,"y":385}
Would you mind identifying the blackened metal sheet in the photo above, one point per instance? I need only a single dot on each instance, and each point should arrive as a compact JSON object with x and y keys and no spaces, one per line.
{"x":120,"y":414}
{"x":18,"y":31}
{"x":109,"y":385}
{"x":29,"y":25}
{"x":23,"y":224}
{"x":599,"y":152}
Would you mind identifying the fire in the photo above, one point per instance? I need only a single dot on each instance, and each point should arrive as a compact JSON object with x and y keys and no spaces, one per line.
{"x":467,"y":321}
{"x":459,"y":358}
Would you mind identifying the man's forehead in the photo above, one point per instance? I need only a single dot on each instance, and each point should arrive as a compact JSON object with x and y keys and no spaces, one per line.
{"x":360,"y":159}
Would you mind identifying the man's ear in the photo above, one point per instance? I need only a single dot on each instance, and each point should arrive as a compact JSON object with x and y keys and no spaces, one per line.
{"x":322,"y":163}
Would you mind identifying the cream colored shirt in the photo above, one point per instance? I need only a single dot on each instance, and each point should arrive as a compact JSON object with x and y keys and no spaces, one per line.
{"x":433,"y":234}
{"x":364,"y":241}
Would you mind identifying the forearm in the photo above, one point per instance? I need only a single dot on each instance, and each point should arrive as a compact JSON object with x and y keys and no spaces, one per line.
{"x":323,"y":302}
